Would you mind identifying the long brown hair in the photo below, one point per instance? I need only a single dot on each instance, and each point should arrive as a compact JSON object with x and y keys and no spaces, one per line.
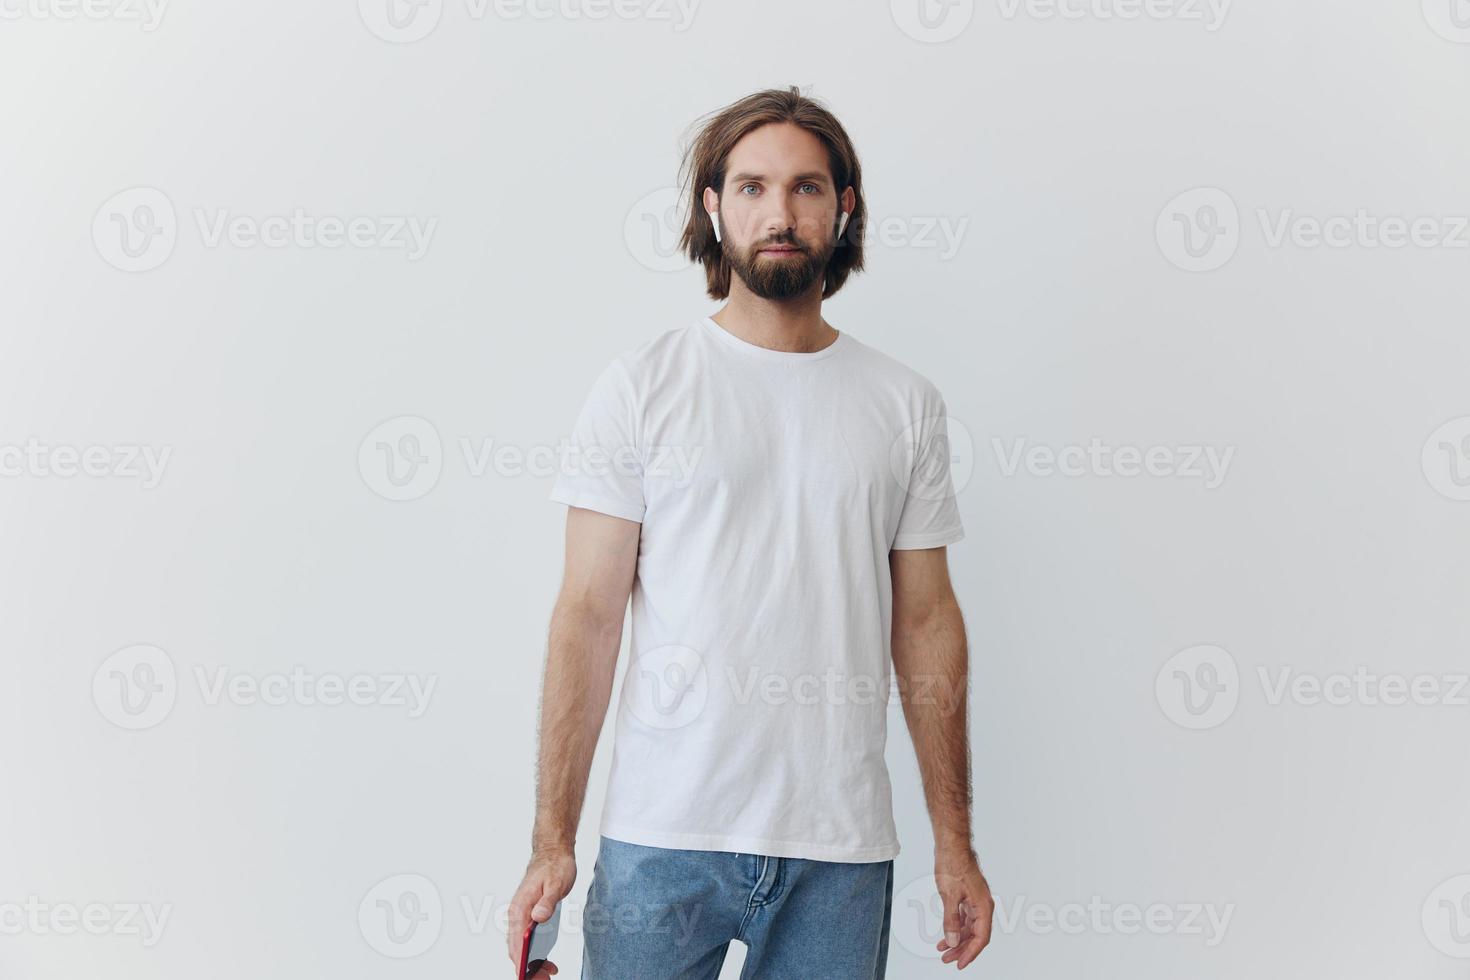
{"x":704,"y":165}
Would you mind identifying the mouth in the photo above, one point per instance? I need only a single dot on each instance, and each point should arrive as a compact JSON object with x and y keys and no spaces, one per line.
{"x":780,"y":250}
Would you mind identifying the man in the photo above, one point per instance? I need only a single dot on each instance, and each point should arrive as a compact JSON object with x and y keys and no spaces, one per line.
{"x":775,"y":497}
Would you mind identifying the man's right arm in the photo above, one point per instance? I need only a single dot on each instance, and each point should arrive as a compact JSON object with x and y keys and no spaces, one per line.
{"x":581,"y":659}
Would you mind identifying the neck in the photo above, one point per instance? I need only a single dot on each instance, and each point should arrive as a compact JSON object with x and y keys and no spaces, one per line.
{"x":794,"y":325}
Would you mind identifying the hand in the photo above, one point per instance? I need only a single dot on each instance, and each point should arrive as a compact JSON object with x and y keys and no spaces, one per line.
{"x":967,"y":907}
{"x":549,"y":877}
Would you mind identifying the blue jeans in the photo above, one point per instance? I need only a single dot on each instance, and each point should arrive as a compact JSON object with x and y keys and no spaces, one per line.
{"x":656,"y":913}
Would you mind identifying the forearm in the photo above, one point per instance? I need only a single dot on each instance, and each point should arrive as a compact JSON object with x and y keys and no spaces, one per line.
{"x":576,"y":686}
{"x":931,"y":659}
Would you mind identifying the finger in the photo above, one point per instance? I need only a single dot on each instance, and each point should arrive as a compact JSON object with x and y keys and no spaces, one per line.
{"x":513,"y":938}
{"x":970,"y":952}
{"x":545,"y":903}
{"x":957,"y":924}
{"x":531,"y":904}
{"x":977,"y":942}
{"x":516,"y":919}
{"x":971,"y":930}
{"x":515,"y":928}
{"x":952,"y":953}
{"x":954,"y":920}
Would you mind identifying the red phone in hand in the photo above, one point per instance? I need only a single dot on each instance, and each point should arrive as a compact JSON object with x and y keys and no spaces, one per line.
{"x":536,"y":944}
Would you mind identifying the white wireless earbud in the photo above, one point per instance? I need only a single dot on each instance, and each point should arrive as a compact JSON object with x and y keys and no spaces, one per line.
{"x":842,"y":224}
{"x":714,"y":221}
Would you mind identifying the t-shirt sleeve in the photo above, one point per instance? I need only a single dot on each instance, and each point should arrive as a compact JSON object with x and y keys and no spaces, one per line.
{"x":931,"y":514}
{"x":601,"y":468}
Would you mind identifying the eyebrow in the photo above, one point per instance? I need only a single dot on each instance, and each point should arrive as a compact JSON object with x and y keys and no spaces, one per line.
{"x":813,"y":177}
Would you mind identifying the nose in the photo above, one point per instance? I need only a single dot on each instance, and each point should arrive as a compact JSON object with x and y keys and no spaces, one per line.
{"x":780,"y":221}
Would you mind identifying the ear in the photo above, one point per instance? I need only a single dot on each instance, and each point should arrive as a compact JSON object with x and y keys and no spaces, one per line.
{"x":711,"y":202}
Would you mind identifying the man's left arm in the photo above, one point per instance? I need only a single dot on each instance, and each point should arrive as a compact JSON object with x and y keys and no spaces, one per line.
{"x":931,"y":660}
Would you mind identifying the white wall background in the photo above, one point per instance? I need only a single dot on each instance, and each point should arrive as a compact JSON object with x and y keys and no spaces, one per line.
{"x":1027,"y":163}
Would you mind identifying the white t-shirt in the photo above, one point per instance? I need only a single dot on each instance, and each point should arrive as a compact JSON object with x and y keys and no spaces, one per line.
{"x":771,"y":487}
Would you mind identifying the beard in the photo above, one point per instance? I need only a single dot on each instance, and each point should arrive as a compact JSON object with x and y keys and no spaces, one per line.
{"x":780,"y":278}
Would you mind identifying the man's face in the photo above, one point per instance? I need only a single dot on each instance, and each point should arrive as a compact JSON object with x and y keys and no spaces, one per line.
{"x":778,"y":211}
